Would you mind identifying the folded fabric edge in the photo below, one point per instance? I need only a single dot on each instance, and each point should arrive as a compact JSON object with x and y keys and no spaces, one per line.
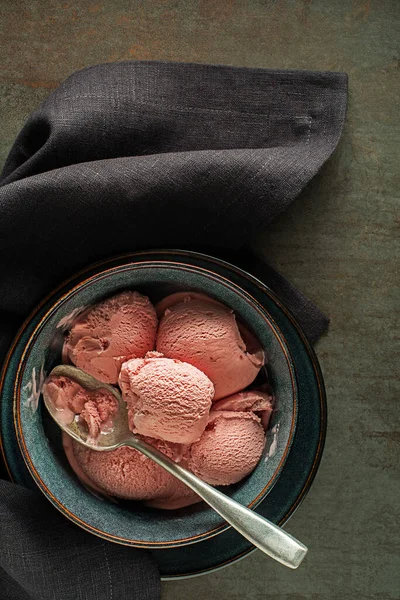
{"x":311,"y":319}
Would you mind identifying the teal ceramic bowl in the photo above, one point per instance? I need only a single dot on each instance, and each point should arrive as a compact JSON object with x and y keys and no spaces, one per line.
{"x":39,"y":439}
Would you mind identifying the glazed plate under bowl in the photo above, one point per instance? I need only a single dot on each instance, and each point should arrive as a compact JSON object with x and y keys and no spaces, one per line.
{"x":125,"y":522}
{"x":301,"y":465}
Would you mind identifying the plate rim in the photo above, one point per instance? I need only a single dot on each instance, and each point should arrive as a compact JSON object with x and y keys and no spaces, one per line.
{"x":322,"y":424}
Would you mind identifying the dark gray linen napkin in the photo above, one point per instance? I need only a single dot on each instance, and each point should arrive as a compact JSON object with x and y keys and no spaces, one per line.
{"x":45,"y":557}
{"x":139,"y":155}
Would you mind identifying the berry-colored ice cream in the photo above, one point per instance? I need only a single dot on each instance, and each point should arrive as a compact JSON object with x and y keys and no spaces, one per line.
{"x":261,"y":403}
{"x":188,"y":399}
{"x":96,"y":407}
{"x":128,"y":474}
{"x":204,"y":333}
{"x":167,"y":399}
{"x":229,"y":449}
{"x":109,"y":333}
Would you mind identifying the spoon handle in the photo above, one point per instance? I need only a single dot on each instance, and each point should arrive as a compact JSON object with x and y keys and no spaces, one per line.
{"x":266,"y":536}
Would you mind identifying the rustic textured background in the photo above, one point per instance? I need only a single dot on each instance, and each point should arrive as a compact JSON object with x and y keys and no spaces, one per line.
{"x":338,"y":243}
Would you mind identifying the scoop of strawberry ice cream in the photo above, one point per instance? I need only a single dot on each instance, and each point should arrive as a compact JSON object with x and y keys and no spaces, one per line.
{"x":205,"y":334}
{"x":256,"y":401}
{"x":128,"y":474}
{"x":166,"y":399}
{"x":96,"y":407}
{"x":229,"y":449}
{"x":111,"y":332}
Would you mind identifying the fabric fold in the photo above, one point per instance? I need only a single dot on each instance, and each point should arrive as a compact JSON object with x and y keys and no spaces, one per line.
{"x":136,"y":155}
{"x":131,"y":156}
{"x":44,"y":556}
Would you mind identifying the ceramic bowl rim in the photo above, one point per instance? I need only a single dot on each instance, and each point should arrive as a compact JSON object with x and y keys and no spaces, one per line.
{"x":51,"y":310}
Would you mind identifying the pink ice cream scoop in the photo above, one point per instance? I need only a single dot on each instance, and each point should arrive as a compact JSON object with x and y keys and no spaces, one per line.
{"x":110,"y":333}
{"x":167,"y":399}
{"x":128,"y":474}
{"x":229,"y":449}
{"x":96,"y":407}
{"x":205,"y":334}
{"x":256,"y":401}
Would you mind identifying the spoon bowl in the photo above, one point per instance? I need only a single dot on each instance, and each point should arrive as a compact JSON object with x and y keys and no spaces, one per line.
{"x":76,"y":429}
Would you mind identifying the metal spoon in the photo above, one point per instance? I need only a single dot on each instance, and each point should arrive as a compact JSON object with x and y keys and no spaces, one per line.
{"x":266,"y":536}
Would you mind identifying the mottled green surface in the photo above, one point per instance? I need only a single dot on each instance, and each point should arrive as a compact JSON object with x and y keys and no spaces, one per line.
{"x":338,"y":243}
